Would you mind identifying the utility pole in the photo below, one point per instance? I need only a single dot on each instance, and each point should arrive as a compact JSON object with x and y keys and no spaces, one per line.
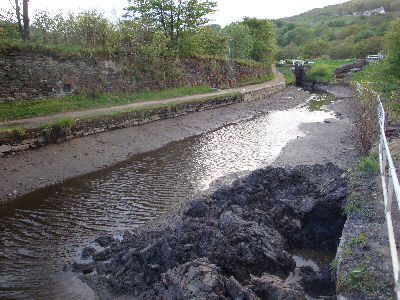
{"x":229,"y":47}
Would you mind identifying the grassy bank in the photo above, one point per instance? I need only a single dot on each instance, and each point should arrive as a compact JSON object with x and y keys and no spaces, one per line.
{"x":287,"y":73}
{"x":378,"y":77}
{"x":322,"y":70}
{"x":48,"y":106}
{"x":361,"y":267}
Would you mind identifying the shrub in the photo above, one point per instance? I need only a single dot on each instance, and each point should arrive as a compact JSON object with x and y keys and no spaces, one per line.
{"x":392,"y":44}
{"x":319,"y":72}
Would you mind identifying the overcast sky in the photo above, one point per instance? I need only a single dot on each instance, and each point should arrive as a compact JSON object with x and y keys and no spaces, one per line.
{"x":228,"y":10}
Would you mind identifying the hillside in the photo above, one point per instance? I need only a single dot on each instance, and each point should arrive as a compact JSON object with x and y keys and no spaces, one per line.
{"x":351,"y":29}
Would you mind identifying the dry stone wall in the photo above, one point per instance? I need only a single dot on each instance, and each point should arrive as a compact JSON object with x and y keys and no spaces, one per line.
{"x":26,"y":75}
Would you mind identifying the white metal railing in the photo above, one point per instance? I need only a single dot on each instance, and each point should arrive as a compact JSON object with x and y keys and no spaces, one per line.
{"x":390,"y":184}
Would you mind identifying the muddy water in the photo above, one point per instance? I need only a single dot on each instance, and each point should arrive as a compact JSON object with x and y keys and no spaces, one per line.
{"x":44,"y":230}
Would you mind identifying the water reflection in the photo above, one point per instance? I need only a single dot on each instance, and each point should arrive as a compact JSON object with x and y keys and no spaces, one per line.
{"x":44,"y":230}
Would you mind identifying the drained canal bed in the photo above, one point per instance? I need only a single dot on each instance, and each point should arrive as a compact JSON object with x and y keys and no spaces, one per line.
{"x":44,"y":230}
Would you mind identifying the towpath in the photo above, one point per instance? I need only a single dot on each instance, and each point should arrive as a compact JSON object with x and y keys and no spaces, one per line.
{"x":33,"y":122}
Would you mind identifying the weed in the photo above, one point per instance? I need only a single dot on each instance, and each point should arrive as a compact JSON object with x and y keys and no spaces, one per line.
{"x":333,"y":264}
{"x":290,"y":78}
{"x":60,"y":123}
{"x":17,"y":129}
{"x":144,"y":111}
{"x":369,"y":165}
{"x":352,"y":206}
{"x":359,"y":279}
{"x":358,"y":239}
{"x":321,"y":72}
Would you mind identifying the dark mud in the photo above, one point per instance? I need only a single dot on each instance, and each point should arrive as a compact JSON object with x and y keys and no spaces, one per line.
{"x":233,"y":242}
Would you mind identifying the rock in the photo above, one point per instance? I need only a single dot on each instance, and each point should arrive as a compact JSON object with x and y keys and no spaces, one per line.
{"x":88,"y":252}
{"x":232,"y":243}
{"x":104,"y":241}
{"x":272,"y":287}
{"x":197,"y":278}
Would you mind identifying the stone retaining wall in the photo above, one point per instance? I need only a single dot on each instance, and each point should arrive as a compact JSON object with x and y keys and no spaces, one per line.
{"x":15,"y":141}
{"x":27,"y":75}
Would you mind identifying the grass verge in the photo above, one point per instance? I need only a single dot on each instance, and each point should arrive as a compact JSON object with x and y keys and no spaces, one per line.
{"x":48,"y":106}
{"x":290,"y":78}
{"x":381,"y":79}
{"x":149,"y":107}
{"x":322,"y":70}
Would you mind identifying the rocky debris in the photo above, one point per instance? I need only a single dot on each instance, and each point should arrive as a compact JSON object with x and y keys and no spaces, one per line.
{"x":232,"y":244}
{"x":342,"y":73}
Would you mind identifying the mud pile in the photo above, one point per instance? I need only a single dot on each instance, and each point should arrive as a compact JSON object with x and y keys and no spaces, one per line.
{"x":235,"y":242}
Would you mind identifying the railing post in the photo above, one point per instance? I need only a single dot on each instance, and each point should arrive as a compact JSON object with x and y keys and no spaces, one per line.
{"x":388,"y":204}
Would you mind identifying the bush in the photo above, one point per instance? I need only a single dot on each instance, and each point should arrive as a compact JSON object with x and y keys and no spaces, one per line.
{"x":324,"y":57}
{"x":312,"y":48}
{"x":392,"y":44}
{"x":319,"y":73}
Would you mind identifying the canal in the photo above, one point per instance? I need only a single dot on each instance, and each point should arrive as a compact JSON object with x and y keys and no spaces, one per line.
{"x":46,"y":229}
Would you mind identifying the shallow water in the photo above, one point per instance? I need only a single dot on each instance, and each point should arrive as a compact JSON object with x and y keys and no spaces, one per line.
{"x":46,"y":229}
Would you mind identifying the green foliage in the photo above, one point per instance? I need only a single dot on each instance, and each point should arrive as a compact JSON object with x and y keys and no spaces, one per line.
{"x":263,"y":37}
{"x":290,"y":78}
{"x":369,"y":165}
{"x":60,"y":124}
{"x":48,"y":106}
{"x":347,"y":35}
{"x":360,"y":279}
{"x":241,"y":44}
{"x":320,"y":73}
{"x":341,"y":50}
{"x":333,"y":265}
{"x":352,"y":206}
{"x":291,"y":51}
{"x":363,"y":35}
{"x":336,"y":23}
{"x":212,"y":41}
{"x":315,"y":48}
{"x":172,"y":17}
{"x":392,"y":43}
{"x":19,"y":130}
{"x":8,"y":30}
{"x":87,"y":28}
{"x":352,"y":30}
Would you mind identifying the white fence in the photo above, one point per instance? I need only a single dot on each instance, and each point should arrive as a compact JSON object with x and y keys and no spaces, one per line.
{"x":375,"y":57}
{"x":390,"y":184}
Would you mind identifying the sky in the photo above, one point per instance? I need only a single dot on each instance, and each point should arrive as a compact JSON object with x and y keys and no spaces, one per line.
{"x":228,"y":10}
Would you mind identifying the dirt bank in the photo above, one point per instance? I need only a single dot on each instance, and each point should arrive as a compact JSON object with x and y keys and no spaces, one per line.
{"x":51,"y":164}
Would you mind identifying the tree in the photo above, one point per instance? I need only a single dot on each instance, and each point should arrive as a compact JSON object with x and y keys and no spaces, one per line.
{"x":352,"y":30}
{"x":23,"y":30}
{"x":264,"y":42}
{"x":315,"y":48}
{"x":173,"y":17}
{"x":241,"y":43}
{"x":392,"y":45}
